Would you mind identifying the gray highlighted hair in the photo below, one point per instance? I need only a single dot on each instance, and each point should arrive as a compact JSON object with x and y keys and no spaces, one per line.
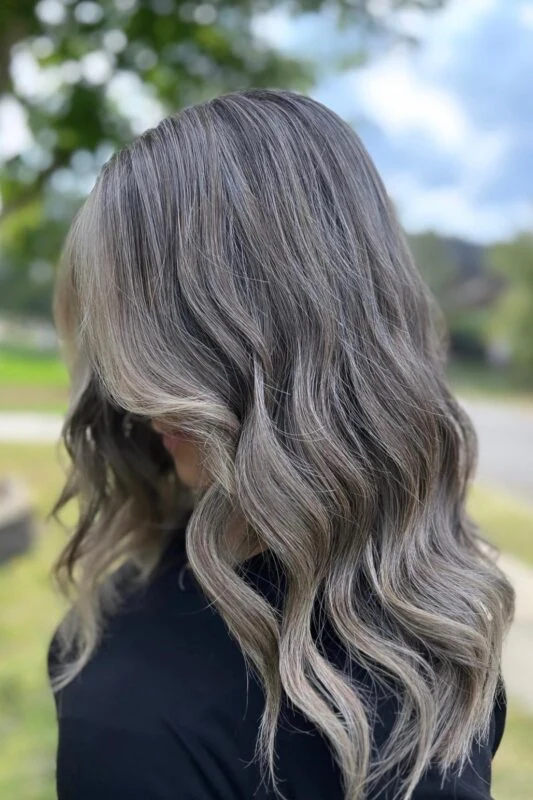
{"x":239,"y":272}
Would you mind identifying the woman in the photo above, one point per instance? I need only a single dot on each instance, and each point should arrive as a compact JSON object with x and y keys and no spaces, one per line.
{"x":275,"y":590}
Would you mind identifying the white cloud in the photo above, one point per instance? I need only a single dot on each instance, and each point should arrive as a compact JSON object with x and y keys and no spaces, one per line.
{"x":398,"y":100}
{"x":458,"y":15}
{"x":525,"y":13}
{"x":483,"y":157}
{"x":451,"y":123}
{"x":277,"y":28}
{"x":450,"y":211}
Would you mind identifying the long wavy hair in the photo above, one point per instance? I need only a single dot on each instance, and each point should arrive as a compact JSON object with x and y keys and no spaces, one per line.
{"x":239,"y":273}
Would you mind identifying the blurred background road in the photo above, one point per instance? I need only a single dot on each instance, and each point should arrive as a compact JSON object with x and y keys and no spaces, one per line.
{"x":505,"y":439}
{"x":439,"y":91}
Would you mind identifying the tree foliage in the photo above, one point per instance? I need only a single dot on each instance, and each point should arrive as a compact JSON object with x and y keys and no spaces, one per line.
{"x":513,"y":321}
{"x":87,"y":74}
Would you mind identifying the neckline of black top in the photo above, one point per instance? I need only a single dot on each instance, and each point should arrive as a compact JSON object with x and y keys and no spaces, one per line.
{"x":261,"y":571}
{"x":176,"y":550}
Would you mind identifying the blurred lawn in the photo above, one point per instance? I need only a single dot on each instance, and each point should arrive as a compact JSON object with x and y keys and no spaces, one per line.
{"x":504,"y":520}
{"x":480,"y":382}
{"x":31,"y":381}
{"x":30,"y":612}
{"x":34,"y":381}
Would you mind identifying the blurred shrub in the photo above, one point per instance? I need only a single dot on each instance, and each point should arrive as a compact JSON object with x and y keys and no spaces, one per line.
{"x":513,"y":319}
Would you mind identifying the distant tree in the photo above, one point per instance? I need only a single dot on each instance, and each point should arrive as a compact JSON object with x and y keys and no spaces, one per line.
{"x":513,"y":321}
{"x":85,"y":74}
{"x":438,"y":268}
{"x":457,"y":273}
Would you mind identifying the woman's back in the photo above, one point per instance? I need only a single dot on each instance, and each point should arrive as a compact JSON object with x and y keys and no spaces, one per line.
{"x":165,"y":710}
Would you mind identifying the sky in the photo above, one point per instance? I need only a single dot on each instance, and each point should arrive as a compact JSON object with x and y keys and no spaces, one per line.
{"x":449,"y":123}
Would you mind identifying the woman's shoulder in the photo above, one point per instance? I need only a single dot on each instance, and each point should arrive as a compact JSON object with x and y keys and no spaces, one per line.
{"x":163,"y":653}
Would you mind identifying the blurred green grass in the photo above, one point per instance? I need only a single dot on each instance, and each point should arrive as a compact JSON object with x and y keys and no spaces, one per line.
{"x":504,"y":520}
{"x":32,"y":381}
{"x":480,"y":382}
{"x":30,"y":611}
{"x":513,"y":765}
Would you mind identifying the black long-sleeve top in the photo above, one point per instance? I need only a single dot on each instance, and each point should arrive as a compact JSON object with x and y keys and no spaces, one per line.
{"x":165,"y":711}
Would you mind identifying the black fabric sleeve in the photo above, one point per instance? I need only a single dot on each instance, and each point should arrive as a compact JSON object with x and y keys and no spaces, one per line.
{"x":110,"y":763}
{"x":474,"y":782}
{"x":104,"y":762}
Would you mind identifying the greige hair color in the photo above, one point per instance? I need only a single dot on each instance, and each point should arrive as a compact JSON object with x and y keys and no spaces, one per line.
{"x":239,"y":272}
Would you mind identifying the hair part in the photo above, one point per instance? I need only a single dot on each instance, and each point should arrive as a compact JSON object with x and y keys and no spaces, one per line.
{"x":239,"y":271}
